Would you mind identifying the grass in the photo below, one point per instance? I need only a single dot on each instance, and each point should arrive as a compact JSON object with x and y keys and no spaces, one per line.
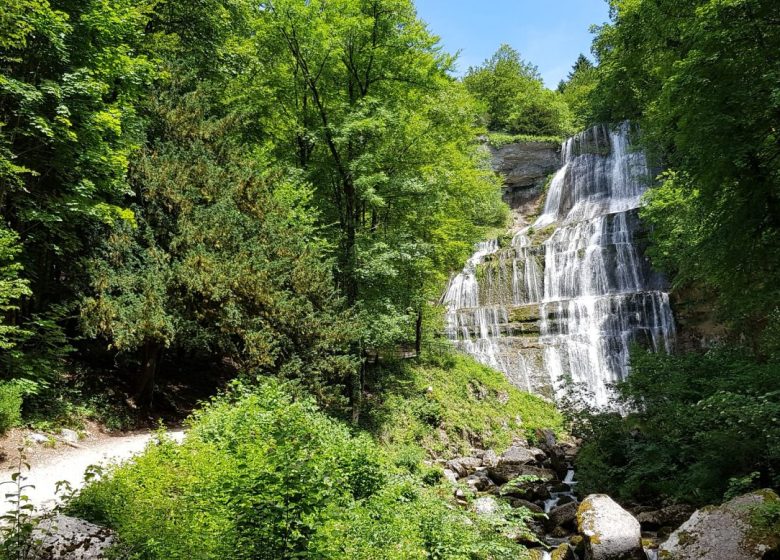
{"x":446,"y":408}
{"x":499,"y":139}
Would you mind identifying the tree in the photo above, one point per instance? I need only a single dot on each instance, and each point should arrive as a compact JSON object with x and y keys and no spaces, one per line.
{"x":514,"y":96}
{"x":387,"y":138}
{"x":70,"y":75}
{"x":577,"y":91}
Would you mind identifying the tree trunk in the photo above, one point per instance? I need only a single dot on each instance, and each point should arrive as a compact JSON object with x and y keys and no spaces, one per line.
{"x":150,"y":354}
{"x":418,"y":332}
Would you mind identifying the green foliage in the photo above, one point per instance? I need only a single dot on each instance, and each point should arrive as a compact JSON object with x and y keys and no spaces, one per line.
{"x":514,"y":98}
{"x":12,"y":287}
{"x":700,"y":425}
{"x":701,"y":80}
{"x":578,"y":90}
{"x":363,"y":106}
{"x":499,"y":139}
{"x":10,"y":406}
{"x":449,"y":407}
{"x":263,"y":475}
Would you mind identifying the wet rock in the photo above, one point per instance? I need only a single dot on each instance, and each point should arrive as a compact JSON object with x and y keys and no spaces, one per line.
{"x":558,"y":461}
{"x":531,"y":491}
{"x":68,"y":538}
{"x":723,"y":533}
{"x":486,"y":505}
{"x":609,"y":531}
{"x":563,"y":552}
{"x":505,"y":472}
{"x":563,"y":500}
{"x":670,"y":516}
{"x":560,"y":533}
{"x":530,"y":506}
{"x":564,"y":516}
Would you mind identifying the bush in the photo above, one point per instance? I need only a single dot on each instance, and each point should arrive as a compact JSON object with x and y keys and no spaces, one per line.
{"x":703,"y":426}
{"x":10,"y":406}
{"x":263,"y":475}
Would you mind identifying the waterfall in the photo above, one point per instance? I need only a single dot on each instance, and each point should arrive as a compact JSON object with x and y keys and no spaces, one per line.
{"x":574,"y":290}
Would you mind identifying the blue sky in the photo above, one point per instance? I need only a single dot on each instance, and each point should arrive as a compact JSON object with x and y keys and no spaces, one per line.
{"x":548,"y":33}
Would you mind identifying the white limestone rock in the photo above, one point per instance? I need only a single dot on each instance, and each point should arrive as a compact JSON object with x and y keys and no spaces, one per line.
{"x":610,"y":532}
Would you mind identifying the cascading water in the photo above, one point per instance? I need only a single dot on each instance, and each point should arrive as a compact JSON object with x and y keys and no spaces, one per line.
{"x":571,"y":306}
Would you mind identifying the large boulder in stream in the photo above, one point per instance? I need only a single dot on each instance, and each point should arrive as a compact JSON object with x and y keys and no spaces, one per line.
{"x":724,"y":533}
{"x":610,"y":532}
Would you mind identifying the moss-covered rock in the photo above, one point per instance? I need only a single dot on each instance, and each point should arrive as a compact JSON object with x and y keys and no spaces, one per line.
{"x":726,"y":532}
{"x":609,"y":531}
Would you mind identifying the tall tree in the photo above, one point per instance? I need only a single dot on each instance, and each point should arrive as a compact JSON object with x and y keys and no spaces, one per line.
{"x":387,"y":138}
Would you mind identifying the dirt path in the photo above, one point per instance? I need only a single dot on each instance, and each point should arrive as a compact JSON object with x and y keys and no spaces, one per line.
{"x":70,"y":464}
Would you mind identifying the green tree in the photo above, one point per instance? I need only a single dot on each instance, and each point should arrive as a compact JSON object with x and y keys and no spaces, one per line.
{"x":514,"y":97}
{"x":70,"y":75}
{"x":387,"y":138}
{"x":577,"y":91}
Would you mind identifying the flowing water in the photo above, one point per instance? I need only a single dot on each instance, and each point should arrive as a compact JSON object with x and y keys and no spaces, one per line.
{"x":572,"y":292}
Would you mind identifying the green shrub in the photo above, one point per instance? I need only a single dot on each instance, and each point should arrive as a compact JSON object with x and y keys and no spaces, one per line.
{"x":703,"y":426}
{"x":10,"y":406}
{"x":263,"y":475}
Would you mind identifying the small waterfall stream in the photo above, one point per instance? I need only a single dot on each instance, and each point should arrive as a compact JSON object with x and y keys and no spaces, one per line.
{"x":571,"y":293}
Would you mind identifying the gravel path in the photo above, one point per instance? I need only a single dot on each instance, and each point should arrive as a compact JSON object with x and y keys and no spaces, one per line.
{"x":70,"y":466}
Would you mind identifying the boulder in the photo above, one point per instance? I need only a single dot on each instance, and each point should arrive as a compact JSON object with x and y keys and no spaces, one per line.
{"x":563,"y":552}
{"x":670,"y":516}
{"x":479,"y":481}
{"x":609,"y":531}
{"x":564,"y":516}
{"x":68,"y":538}
{"x":489,"y":458}
{"x":505,"y":472}
{"x":518,"y":455}
{"x":531,"y":491}
{"x":464,"y":466}
{"x":450,"y":476}
{"x":530,"y":506}
{"x":70,"y":436}
{"x":486,"y":505}
{"x":723,"y":533}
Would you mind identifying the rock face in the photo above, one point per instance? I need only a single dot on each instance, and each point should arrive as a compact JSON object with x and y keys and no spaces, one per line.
{"x":525,"y":167}
{"x":722,"y":533}
{"x":610,"y":532}
{"x":68,"y":538}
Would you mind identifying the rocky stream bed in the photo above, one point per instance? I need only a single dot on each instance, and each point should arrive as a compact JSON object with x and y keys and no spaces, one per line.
{"x":567,"y":526}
